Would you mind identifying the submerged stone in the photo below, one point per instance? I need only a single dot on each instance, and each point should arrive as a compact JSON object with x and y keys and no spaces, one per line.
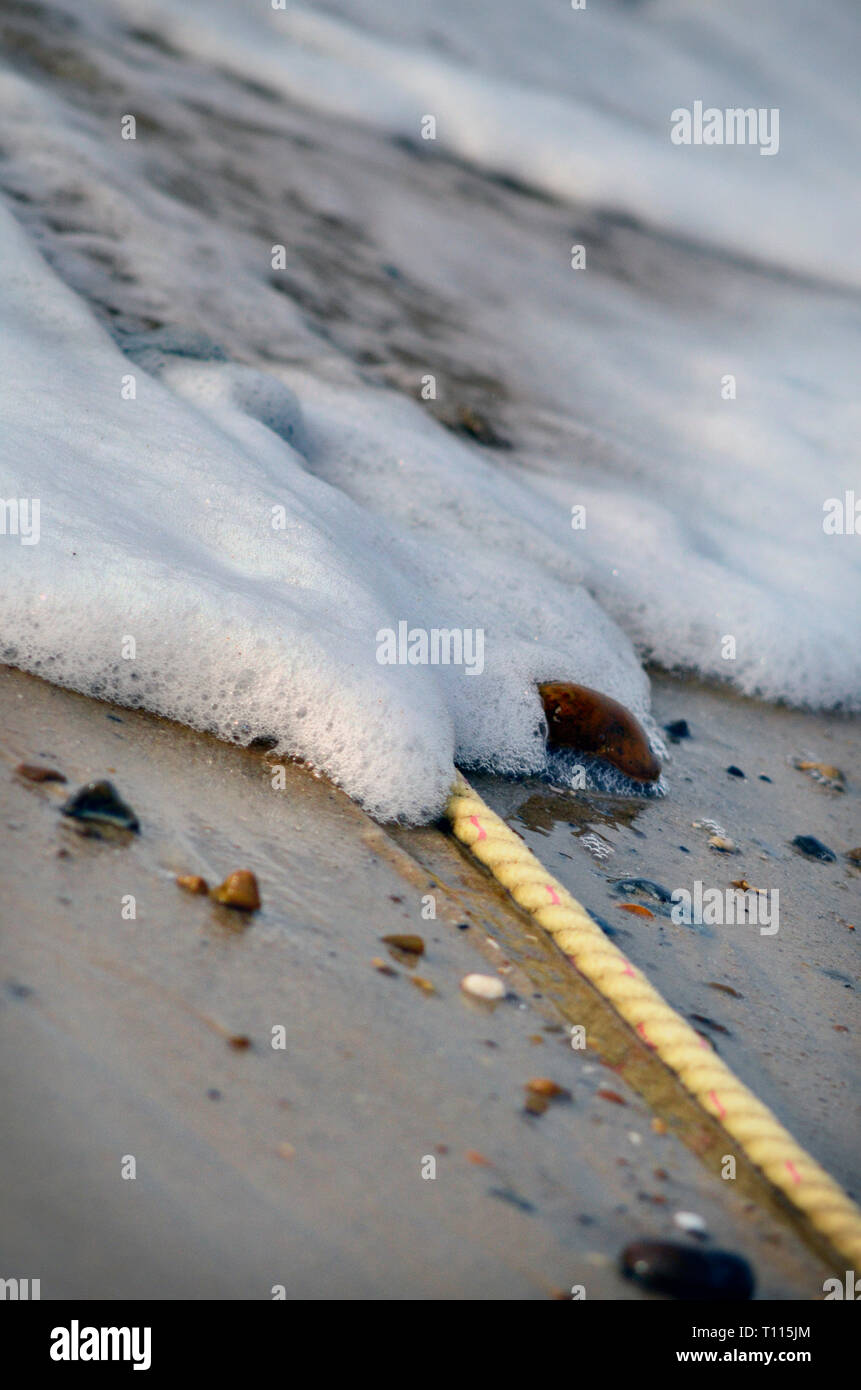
{"x":102,"y":803}
{"x":590,"y":722}
{"x":668,"y":1268}
{"x":814,"y":849}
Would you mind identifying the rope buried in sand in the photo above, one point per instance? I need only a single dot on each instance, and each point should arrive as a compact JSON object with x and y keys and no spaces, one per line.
{"x":750,"y":1123}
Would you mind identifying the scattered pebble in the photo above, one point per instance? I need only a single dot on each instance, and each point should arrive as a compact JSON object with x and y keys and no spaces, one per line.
{"x":723,"y":844}
{"x":192,"y":883}
{"x":506,"y":1194}
{"x":551,"y":1090}
{"x":240,"y":1041}
{"x":286,"y":1150}
{"x":659,"y":1126}
{"x":681,"y":1272}
{"x":613,"y":1096}
{"x":725,"y":989}
{"x":814,"y":849}
{"x":34,"y":773}
{"x":634,"y":1137}
{"x":421,"y":983}
{"x":678,"y":729}
{"x":636,"y":908}
{"x":735,"y":771}
{"x":854,"y":856}
{"x":239,"y":890}
{"x":404,"y":947}
{"x":692,"y":1223}
{"x":383,"y":966}
{"x":647,"y":886}
{"x":473,"y":1156}
{"x":825,"y":773}
{"x":590,"y":722}
{"x":486,"y":987}
{"x":763,"y":778}
{"x":101,"y":802}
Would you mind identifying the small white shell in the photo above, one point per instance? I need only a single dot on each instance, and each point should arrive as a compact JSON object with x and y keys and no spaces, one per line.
{"x":690,"y":1222}
{"x":483,"y":986}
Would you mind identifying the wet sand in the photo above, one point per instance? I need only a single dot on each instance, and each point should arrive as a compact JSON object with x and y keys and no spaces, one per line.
{"x":117,"y":1033}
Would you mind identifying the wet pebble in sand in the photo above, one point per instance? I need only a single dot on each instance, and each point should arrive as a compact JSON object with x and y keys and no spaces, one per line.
{"x":485,"y":987}
{"x":678,"y":729}
{"x":404,"y":947}
{"x":725,"y":989}
{"x":825,"y":773}
{"x":814,"y":849}
{"x":34,"y":773}
{"x":691,"y":1222}
{"x":424,"y":985}
{"x":723,"y":844}
{"x":379,"y":964}
{"x":681,"y":1272}
{"x":647,"y":886}
{"x":735,"y":771}
{"x":540,"y":1091}
{"x":636,"y":909}
{"x":239,"y":890}
{"x":102,"y":803}
{"x":192,"y":883}
{"x":854,"y":856}
{"x":590,"y":722}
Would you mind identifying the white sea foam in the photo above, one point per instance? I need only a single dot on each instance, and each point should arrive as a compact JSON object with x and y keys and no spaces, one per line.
{"x":704,"y":517}
{"x":156,"y":524}
{"x":579,"y":103}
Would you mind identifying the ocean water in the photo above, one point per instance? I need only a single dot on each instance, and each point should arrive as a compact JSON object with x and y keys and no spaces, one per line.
{"x":241,"y":482}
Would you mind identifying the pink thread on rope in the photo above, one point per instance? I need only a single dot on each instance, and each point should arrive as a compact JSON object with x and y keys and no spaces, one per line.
{"x":717,"y":1103}
{"x":628,"y":970}
{"x":796,"y":1176}
{"x":641,"y":1029}
{"x":552,"y":893}
{"x":482,"y":833}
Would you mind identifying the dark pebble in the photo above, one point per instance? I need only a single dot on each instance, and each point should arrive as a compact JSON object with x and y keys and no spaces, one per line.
{"x":35,"y":773}
{"x":17,"y":990}
{"x":505,"y":1194}
{"x":100,"y":801}
{"x":763,"y":778}
{"x":706,"y":1022}
{"x":734,"y":771}
{"x":678,"y":729}
{"x":814,"y":849}
{"x":646,"y":886}
{"x":681,"y":1272}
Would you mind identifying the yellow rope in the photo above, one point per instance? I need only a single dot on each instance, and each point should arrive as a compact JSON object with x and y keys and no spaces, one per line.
{"x":759,"y":1133}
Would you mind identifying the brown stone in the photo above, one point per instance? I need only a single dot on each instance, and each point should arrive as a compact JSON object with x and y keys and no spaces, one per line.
{"x":192,"y":883}
{"x":590,"y":722}
{"x":34,"y":773}
{"x":239,"y":890}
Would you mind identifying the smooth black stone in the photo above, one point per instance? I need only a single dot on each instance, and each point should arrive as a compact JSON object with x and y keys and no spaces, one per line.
{"x":814,"y":849}
{"x":100,"y":801}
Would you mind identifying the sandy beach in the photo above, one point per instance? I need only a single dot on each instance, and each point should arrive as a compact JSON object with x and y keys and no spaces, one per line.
{"x":258,"y":1167}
